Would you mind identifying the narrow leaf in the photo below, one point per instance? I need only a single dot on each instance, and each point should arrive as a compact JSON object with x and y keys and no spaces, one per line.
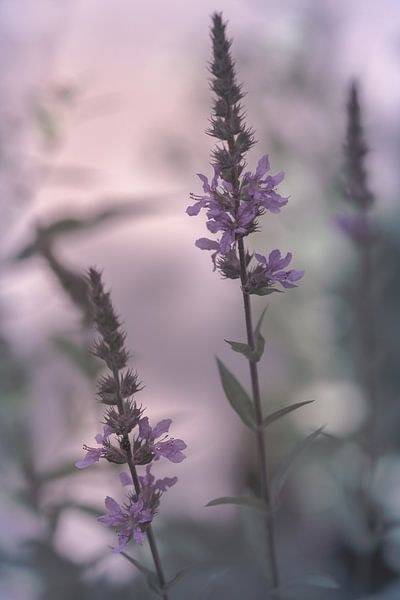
{"x":244,"y":501}
{"x":240,"y":347}
{"x":138,"y":565}
{"x":180,"y":575}
{"x":253,"y":355}
{"x":282,"y":412}
{"x":154,"y":585}
{"x":58,"y":472}
{"x":260,"y":320}
{"x":283,"y":469}
{"x":237,"y":396}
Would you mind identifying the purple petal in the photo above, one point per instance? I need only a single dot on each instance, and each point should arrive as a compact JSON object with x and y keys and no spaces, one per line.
{"x":295,"y":275}
{"x":93,"y":455}
{"x":194,"y":210}
{"x":112,"y":505}
{"x":123,"y":539}
{"x":261,"y":259}
{"x":225,"y":243}
{"x":138,"y":535}
{"x":262,"y":167}
{"x":161,"y":427}
{"x":125,"y":479}
{"x":136,"y":507}
{"x":204,"y":180}
{"x":206,"y":244}
{"x":165,"y":483}
{"x":274,"y":259}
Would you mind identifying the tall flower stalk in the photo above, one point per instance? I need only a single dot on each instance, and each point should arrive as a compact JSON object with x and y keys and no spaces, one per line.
{"x":234,"y":200}
{"x":128,"y":438}
{"x":358,"y":227}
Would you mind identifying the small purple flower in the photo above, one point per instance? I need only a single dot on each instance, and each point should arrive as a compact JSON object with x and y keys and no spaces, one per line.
{"x":262,"y":190}
{"x":270,"y":272}
{"x":169,"y":448}
{"x":130,"y":521}
{"x":93,"y":455}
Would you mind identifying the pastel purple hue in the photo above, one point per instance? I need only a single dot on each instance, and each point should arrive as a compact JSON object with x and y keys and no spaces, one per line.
{"x":273,"y":269}
{"x":150,"y":484}
{"x":129,"y":520}
{"x":262,"y":189}
{"x":169,"y":448}
{"x":236,"y":217}
{"x":357,"y":227}
{"x":93,"y":455}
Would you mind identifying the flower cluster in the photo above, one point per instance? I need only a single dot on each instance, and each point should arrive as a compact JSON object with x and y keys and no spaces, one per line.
{"x":235,"y":219}
{"x":234,"y":200}
{"x":127,"y":436}
{"x":130,"y":520}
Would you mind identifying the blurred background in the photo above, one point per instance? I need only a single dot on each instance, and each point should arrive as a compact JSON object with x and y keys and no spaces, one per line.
{"x":103,"y":108}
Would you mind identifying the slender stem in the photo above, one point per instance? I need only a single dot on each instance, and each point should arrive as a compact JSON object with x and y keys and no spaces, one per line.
{"x":149,"y":532}
{"x":136,"y":483}
{"x":260,"y":436}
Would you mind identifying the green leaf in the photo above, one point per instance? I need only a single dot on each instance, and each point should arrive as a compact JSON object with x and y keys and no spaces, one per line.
{"x":278,"y":414}
{"x":260,"y":320}
{"x":58,"y":472}
{"x":180,"y":575}
{"x":78,"y":355}
{"x":154,"y":585}
{"x":253,"y":355}
{"x":256,"y":354}
{"x":138,"y":565}
{"x":237,"y":396}
{"x":244,"y":501}
{"x":283,"y":469}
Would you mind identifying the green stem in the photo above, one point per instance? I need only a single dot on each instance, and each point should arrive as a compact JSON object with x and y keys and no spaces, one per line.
{"x":260,"y":436}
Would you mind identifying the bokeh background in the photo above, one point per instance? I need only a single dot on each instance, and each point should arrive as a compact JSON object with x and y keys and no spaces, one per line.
{"x":103,"y":108}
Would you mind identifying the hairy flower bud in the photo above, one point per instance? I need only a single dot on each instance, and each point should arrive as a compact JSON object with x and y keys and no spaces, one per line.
{"x":123,"y":423}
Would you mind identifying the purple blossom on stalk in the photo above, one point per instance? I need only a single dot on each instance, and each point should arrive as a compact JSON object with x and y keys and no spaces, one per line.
{"x":236,"y":216}
{"x":122,"y":417}
{"x":105,"y":450}
{"x":273,"y":269}
{"x":146,"y":443}
{"x":129,"y":520}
